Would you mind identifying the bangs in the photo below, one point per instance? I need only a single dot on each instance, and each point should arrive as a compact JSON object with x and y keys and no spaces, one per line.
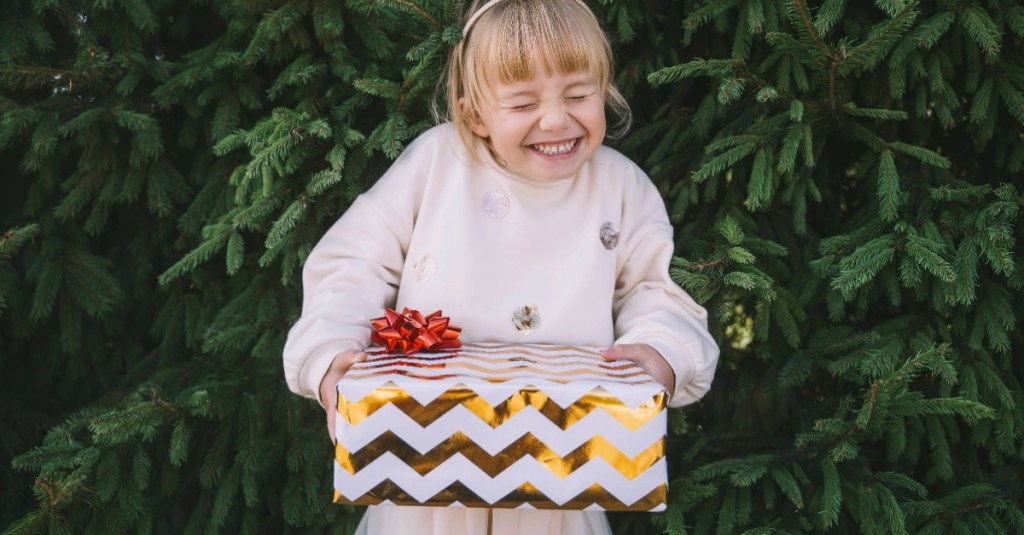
{"x":561,"y":37}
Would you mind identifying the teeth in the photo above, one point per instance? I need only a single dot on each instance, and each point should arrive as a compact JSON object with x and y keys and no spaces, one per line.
{"x":554,"y":150}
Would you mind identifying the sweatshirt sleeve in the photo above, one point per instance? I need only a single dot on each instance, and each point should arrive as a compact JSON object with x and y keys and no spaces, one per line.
{"x":353,"y":273}
{"x":652,"y":309}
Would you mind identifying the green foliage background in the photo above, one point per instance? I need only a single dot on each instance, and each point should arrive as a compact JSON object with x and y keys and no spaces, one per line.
{"x":845,"y":178}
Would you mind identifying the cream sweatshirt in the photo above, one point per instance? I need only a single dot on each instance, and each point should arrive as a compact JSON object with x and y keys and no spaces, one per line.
{"x":582,"y":260}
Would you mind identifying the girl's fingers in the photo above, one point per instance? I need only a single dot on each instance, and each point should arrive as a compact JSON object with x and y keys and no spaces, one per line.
{"x":623,"y":351}
{"x":345,"y":360}
{"x":328,"y":385}
{"x":647,"y":358}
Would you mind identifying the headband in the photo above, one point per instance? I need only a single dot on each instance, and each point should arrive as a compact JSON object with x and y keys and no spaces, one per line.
{"x":492,"y":3}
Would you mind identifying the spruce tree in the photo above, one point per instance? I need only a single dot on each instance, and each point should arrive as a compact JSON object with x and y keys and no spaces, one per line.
{"x":844,"y":177}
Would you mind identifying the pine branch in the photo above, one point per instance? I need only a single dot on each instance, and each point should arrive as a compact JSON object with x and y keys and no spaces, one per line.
{"x":873,"y":49}
{"x":980,"y":27}
{"x":31,"y":76}
{"x":830,"y":13}
{"x":15,"y":238}
{"x":410,"y":7}
{"x":865,"y":262}
{"x":703,"y":14}
{"x":930,"y":31}
{"x":803,"y":16}
{"x":697,"y":67}
{"x":214,"y":239}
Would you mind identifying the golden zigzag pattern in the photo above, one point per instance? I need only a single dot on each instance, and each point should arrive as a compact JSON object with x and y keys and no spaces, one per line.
{"x":525,"y":494}
{"x":632,"y":419}
{"x":492,"y":465}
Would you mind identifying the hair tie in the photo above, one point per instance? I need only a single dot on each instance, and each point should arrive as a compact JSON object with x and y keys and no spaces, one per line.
{"x":492,"y":3}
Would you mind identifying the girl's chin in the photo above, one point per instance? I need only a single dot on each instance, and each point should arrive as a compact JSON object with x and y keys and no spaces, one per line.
{"x":547,"y":170}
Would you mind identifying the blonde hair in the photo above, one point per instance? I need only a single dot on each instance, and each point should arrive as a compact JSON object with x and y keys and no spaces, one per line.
{"x":502,"y":46}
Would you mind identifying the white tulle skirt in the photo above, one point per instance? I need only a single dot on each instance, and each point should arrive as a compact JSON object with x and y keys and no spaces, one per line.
{"x":398,"y":520}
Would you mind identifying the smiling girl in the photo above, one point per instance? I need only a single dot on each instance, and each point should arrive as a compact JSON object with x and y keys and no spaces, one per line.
{"x":514,"y":219}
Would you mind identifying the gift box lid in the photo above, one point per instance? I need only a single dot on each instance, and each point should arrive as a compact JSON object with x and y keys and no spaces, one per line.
{"x":497,"y":371}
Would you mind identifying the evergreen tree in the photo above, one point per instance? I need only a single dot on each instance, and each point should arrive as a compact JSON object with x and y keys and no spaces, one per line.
{"x":845,"y":180}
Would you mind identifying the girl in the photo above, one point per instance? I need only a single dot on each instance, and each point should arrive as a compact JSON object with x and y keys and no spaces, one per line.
{"x":515,"y":221}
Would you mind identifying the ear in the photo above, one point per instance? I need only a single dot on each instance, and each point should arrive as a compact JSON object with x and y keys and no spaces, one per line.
{"x":473,"y":119}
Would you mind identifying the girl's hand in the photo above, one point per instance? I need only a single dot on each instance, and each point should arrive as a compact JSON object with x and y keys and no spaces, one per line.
{"x":648,"y":358}
{"x":328,"y":385}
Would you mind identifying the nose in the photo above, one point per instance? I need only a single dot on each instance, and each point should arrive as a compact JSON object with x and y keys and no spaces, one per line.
{"x":554,"y":117}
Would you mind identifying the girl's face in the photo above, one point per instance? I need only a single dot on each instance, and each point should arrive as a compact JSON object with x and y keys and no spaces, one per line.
{"x":545,"y":128}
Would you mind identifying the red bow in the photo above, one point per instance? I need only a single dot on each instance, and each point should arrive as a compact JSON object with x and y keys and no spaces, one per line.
{"x":410,"y":332}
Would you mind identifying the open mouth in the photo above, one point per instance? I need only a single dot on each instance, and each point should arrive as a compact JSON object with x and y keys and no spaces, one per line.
{"x":556,"y":149}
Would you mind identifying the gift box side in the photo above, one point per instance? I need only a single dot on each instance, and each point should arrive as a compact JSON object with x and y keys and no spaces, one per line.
{"x":528,"y":450}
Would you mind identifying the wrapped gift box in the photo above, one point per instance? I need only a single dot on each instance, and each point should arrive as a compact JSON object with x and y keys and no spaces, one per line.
{"x":501,"y":425}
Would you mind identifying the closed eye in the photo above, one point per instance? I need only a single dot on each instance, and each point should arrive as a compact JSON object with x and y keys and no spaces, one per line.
{"x":519,"y":107}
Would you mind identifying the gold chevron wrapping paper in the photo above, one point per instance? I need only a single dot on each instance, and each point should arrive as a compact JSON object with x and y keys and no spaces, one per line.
{"x":501,"y":425}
